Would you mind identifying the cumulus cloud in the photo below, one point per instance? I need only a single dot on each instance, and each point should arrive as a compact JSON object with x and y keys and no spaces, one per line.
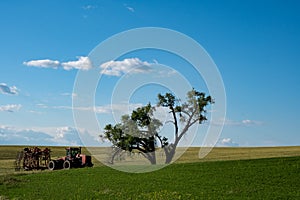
{"x":47,"y":136}
{"x":5,"y":89}
{"x":110,"y":68}
{"x":227,"y":142}
{"x":67,"y":135}
{"x":128,"y":65}
{"x":13,"y":136}
{"x":10,"y":107}
{"x":46,"y":63}
{"x":82,"y":63}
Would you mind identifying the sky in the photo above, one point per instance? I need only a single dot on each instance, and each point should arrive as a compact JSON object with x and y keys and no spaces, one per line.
{"x":45,"y":44}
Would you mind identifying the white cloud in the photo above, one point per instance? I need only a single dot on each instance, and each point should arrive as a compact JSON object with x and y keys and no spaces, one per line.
{"x":89,"y":7}
{"x":67,"y":135}
{"x":167,"y":73}
{"x":120,"y":108}
{"x":46,"y":136}
{"x":69,"y":94}
{"x":101,"y":109}
{"x":46,"y":63}
{"x":129,"y":65}
{"x":82,"y":63}
{"x":228,"y":122}
{"x":35,"y":112}
{"x":110,"y":68}
{"x":41,"y":105}
{"x":13,"y":136}
{"x":131,"y":9}
{"x":249,"y":122}
{"x":227,"y":142}
{"x":5,"y":89}
{"x":10,"y":107}
{"x":92,"y":109}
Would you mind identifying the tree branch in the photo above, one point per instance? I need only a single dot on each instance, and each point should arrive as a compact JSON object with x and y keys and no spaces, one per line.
{"x":160,"y":140}
{"x":140,"y":149}
{"x":175,"y":121}
{"x":187,"y":126}
{"x":170,"y":121}
{"x":185,"y":112}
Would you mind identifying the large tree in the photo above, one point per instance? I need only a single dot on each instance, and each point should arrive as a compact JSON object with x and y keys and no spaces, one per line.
{"x":139,"y":131}
{"x":136,"y":132}
{"x":184,"y":115}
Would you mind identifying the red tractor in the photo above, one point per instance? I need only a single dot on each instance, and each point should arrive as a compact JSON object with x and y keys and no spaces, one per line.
{"x":73,"y":159}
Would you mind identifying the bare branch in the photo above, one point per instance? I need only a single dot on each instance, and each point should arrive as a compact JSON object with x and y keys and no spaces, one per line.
{"x":170,"y":121}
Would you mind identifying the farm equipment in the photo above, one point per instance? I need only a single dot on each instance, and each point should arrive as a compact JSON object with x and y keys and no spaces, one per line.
{"x":33,"y":158}
{"x":73,"y":159}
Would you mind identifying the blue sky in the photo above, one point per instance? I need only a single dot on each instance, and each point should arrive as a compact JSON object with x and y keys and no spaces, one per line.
{"x":255,"y":45}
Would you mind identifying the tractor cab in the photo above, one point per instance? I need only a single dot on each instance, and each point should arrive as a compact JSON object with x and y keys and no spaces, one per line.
{"x":72,"y":152}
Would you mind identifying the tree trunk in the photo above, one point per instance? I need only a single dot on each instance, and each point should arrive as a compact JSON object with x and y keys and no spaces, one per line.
{"x":170,"y":152}
{"x":151,"y":154}
{"x":117,"y":151}
{"x":152,"y":157}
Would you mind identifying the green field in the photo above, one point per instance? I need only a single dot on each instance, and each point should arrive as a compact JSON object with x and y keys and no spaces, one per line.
{"x":231,"y":173}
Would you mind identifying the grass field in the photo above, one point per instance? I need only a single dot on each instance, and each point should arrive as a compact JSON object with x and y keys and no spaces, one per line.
{"x":8,"y":154}
{"x":232,"y":173}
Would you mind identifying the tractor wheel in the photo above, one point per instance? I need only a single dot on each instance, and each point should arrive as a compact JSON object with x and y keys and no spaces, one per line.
{"x":89,"y":164}
{"x":67,"y":165}
{"x":51,"y":165}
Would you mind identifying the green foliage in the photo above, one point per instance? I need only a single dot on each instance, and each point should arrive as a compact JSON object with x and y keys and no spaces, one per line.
{"x":167,"y":100}
{"x":276,"y":178}
{"x":142,"y":116}
{"x":193,"y":109}
{"x":136,"y":132}
{"x":188,"y":113}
